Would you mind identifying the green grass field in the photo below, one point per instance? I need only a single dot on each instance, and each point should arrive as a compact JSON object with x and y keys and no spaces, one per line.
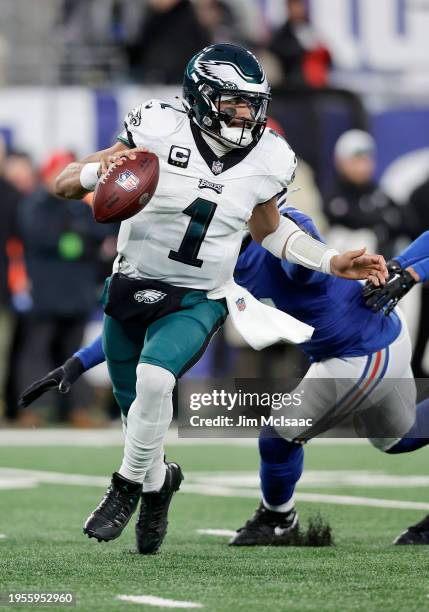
{"x":43,"y":548}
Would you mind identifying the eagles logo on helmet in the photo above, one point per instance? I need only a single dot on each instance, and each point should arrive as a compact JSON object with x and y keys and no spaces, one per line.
{"x":225,"y":72}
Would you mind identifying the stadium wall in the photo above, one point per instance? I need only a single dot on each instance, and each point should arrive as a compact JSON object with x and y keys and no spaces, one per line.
{"x":39,"y":120}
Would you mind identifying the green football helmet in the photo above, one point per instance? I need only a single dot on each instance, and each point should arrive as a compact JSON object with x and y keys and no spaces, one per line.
{"x":228,"y":74}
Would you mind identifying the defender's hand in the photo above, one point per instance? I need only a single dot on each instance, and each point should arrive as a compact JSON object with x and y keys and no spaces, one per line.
{"x":61,"y":378}
{"x":358,"y":265}
{"x":118,"y":158}
{"x":399,"y":284}
{"x":393,"y":269}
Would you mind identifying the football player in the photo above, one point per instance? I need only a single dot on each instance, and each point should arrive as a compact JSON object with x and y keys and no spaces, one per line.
{"x":366,"y":353}
{"x":409,"y":268}
{"x":219,"y":169}
{"x":351,"y":342}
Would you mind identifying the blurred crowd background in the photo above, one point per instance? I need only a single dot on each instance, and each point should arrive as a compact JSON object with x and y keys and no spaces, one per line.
{"x":350,"y":93}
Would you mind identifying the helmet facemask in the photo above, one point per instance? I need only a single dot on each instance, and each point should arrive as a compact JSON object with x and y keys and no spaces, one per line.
{"x":234,"y":118}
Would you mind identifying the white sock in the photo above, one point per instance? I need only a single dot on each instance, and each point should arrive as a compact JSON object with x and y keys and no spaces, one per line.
{"x":155,"y":475}
{"x":148,"y":420}
{"x":282,"y":508}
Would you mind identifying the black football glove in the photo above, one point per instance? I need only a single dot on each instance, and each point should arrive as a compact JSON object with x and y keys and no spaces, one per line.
{"x":61,"y":378}
{"x":387,"y":296}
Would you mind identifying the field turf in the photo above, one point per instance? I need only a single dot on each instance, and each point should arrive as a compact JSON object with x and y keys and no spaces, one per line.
{"x":43,"y":548}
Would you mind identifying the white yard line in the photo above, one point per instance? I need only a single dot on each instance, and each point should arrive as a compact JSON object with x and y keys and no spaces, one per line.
{"x":16,"y":476}
{"x":21,"y":483}
{"x":227,"y":533}
{"x":61,"y":437}
{"x":220,"y":481}
{"x":317,"y":479}
{"x":150,"y":600}
{"x":114,"y":437}
{"x":2,"y":536}
{"x":229,"y":485}
{"x":341,"y":500}
{"x":370,"y":502}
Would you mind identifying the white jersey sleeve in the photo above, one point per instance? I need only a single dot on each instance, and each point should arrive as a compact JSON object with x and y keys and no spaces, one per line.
{"x":149,"y":122}
{"x":280,"y":162}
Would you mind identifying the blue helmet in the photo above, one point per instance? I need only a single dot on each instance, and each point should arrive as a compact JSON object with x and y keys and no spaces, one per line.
{"x":223,"y":72}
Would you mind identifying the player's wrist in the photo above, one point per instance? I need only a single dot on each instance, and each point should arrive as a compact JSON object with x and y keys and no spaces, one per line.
{"x":414,"y":275}
{"x":330,"y":263}
{"x":73,"y":368}
{"x":89,"y":175}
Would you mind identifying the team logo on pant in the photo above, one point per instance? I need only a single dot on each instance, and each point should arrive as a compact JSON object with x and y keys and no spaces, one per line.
{"x":241,"y":304}
{"x":128,"y":180}
{"x":149,"y":296}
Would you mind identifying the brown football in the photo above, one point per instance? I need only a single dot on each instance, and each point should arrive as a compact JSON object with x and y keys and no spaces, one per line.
{"x":125,"y":190}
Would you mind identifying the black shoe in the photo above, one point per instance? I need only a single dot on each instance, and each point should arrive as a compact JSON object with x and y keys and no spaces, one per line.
{"x":267,"y":528}
{"x":151,"y":525}
{"x":115,"y":509}
{"x":416,"y":534}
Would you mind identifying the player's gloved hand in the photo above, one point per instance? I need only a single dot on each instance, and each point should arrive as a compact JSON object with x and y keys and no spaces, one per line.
{"x":61,"y":378}
{"x":387,"y":297}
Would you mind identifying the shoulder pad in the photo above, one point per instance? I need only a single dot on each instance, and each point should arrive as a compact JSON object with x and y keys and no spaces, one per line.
{"x":153,"y":119}
{"x":281,"y":159}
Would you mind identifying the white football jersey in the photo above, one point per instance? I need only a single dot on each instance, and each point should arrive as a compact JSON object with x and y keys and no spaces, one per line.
{"x":190,"y":233}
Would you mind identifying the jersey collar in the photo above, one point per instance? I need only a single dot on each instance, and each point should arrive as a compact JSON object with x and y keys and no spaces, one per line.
{"x":218,"y":164}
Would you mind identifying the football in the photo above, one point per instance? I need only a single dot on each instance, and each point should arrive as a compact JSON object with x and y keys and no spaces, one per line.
{"x":126,"y":189}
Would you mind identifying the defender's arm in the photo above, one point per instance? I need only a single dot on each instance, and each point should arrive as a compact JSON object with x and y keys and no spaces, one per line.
{"x":63,"y":377}
{"x":407,"y":269}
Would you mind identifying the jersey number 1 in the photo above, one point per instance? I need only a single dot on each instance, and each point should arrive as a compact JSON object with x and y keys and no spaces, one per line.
{"x":201,"y":213}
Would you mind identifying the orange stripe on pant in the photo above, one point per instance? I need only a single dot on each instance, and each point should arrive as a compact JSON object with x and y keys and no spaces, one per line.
{"x":368,"y":381}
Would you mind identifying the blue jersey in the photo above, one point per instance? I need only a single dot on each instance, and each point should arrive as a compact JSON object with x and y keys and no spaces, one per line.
{"x":344,"y":326}
{"x":417,"y":256}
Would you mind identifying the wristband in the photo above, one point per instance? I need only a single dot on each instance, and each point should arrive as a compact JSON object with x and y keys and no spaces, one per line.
{"x":275,"y":242}
{"x":89,"y":175}
{"x":306,"y":251}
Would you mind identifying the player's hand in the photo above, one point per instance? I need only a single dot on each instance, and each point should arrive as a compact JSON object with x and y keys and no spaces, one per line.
{"x":118,"y":158}
{"x":359,"y":265}
{"x":386,"y":298}
{"x":61,"y":378}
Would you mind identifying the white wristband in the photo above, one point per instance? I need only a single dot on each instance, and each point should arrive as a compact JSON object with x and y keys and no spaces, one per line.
{"x":275,"y":242}
{"x":89,"y":175}
{"x":306,"y":251}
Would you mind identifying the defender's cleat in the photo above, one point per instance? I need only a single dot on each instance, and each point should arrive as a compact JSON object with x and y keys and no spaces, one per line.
{"x":151,"y":526}
{"x":267,"y":528}
{"x":115,"y":509}
{"x":416,"y":534}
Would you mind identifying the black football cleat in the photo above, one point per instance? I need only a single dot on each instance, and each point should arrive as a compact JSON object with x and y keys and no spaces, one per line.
{"x":151,"y":526}
{"x":267,"y":528}
{"x":416,"y":534}
{"x":115,"y":509}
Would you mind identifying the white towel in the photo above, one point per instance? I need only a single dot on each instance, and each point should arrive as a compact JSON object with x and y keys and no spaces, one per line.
{"x":260,"y":325}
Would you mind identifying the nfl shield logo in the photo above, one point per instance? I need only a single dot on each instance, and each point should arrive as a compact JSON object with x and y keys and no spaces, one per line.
{"x":241,"y":304}
{"x":127,"y":180}
{"x":217,"y":167}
